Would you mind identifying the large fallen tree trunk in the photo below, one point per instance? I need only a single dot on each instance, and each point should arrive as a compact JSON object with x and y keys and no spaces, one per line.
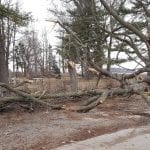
{"x":123,"y":77}
{"x":95,"y":103}
{"x":96,"y":96}
{"x":103,"y":95}
{"x":6,"y":101}
{"x":26,"y":97}
{"x":115,"y":91}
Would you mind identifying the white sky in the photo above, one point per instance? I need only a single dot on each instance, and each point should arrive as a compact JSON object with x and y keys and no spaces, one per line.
{"x":39,"y":10}
{"x":37,"y":7}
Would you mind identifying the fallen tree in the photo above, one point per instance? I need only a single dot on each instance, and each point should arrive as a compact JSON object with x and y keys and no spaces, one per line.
{"x":96,"y":97}
{"x":123,"y":78}
{"x":105,"y":94}
{"x":129,"y":35}
{"x":24,"y":97}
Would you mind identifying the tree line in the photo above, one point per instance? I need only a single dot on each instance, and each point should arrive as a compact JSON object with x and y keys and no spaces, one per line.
{"x":93,"y":33}
{"x":21,"y":46}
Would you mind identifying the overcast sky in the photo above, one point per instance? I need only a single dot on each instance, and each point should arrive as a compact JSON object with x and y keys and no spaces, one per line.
{"x":39,"y":10}
{"x":37,"y":7}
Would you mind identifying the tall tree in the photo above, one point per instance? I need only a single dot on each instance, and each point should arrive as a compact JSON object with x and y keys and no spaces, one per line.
{"x":83,"y":24}
{"x":8,"y":15}
{"x":86,"y":39}
{"x":133,"y":29}
{"x":28,"y":52}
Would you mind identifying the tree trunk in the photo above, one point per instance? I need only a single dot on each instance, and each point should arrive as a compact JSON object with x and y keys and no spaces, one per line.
{"x":13,"y":45}
{"x":3,"y":67}
{"x":110,"y":47}
{"x":27,"y":97}
{"x":73,"y":75}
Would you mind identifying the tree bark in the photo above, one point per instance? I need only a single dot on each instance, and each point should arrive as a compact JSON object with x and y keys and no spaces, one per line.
{"x":73,"y":75}
{"x":122,"y":22}
{"x":92,"y":105}
{"x":98,"y":97}
{"x":3,"y":67}
{"x":29,"y":97}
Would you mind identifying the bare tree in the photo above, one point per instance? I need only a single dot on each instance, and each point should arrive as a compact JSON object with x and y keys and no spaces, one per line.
{"x":28,"y":52}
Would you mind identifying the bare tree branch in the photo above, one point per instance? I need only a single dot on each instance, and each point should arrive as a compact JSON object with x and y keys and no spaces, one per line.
{"x":121,"y":21}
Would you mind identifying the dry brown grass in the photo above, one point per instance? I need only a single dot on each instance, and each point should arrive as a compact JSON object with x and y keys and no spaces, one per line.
{"x":52,"y":85}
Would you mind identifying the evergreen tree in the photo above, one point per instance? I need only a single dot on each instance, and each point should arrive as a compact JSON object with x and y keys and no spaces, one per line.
{"x":131,"y":37}
{"x":89,"y":22}
{"x":7,"y":15}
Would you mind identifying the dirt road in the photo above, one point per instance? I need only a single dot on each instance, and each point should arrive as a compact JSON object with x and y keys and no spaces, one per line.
{"x":129,"y":139}
{"x":47,"y":130}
